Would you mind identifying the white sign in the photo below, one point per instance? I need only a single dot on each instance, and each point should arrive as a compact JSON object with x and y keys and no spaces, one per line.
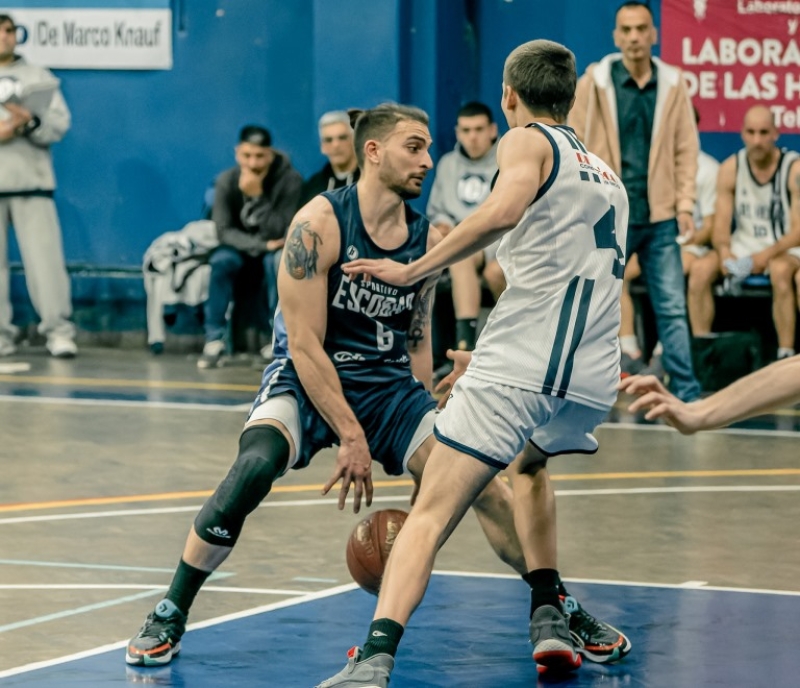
{"x":95,"y":38}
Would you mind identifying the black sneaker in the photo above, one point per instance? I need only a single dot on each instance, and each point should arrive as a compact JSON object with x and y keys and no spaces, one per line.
{"x":594,"y":639}
{"x":159,"y":639}
{"x":630,"y":366}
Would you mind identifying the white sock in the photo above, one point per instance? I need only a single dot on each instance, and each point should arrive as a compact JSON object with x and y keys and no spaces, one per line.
{"x":658,"y":349}
{"x":785,"y":352}
{"x":630,"y":345}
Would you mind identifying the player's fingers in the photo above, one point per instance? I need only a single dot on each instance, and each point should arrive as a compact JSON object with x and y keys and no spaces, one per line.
{"x":332,"y":481}
{"x":358,"y":491}
{"x":647,"y":401}
{"x":347,"y":478}
{"x":660,"y":411}
{"x":368,"y":489}
{"x":644,"y":383}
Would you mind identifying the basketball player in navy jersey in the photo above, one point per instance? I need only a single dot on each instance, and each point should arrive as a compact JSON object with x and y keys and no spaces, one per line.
{"x":352,"y":367}
{"x":545,"y":369}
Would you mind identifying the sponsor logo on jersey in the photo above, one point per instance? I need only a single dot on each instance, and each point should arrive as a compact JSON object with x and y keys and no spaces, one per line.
{"x":352,"y":252}
{"x":347,"y":356}
{"x":373,"y":298}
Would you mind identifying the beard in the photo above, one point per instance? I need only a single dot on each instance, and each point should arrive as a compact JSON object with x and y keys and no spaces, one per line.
{"x":406,"y":193}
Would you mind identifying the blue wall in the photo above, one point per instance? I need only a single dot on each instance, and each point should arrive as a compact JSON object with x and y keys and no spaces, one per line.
{"x":144,"y":145}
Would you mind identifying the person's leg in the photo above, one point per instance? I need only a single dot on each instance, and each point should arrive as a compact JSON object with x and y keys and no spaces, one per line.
{"x":38,"y":235}
{"x":7,"y":331}
{"x":495,"y":279}
{"x":272,"y":263}
{"x":266,"y":448}
{"x":225,"y":262}
{"x":631,"y":362}
{"x":703,"y":272}
{"x":660,"y":258}
{"x":782,"y":270}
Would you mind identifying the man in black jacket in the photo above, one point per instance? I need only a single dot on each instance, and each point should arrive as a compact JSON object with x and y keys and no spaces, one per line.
{"x":336,"y":144}
{"x":253,"y":205}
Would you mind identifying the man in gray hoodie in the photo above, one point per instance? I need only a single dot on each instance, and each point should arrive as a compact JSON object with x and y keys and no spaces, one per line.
{"x":28,"y":126}
{"x":463,"y":181}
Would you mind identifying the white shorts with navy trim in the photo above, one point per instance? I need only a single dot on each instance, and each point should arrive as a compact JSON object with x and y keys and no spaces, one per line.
{"x":492,"y":422}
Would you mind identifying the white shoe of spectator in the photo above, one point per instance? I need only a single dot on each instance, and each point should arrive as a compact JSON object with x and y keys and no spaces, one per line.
{"x":61,"y":347}
{"x":266,"y":352}
{"x":212,"y":353}
{"x":7,"y":347}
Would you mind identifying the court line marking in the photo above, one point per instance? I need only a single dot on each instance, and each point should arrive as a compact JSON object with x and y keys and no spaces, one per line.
{"x":121,"y":382}
{"x":340,"y":589}
{"x":630,"y":475}
{"x":191,"y":627}
{"x":404,"y":498}
{"x":138,"y":586}
{"x":71,"y":565}
{"x":128,"y":403}
{"x":155,"y":384}
{"x":659,"y":427}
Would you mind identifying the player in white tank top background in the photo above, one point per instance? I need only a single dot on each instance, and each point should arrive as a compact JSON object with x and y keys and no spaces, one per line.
{"x":758,"y":192}
{"x":546,"y":366}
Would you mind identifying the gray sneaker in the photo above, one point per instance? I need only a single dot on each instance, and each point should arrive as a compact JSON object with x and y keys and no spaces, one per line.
{"x":374,"y":672}
{"x":552,"y":643}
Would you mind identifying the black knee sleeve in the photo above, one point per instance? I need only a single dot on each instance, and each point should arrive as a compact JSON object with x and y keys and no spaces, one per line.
{"x":263,"y":456}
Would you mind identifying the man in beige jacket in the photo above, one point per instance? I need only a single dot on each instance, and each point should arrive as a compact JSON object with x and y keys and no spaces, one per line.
{"x":639,"y":95}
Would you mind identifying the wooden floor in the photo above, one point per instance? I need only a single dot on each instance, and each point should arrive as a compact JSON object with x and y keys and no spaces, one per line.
{"x":106,"y":459}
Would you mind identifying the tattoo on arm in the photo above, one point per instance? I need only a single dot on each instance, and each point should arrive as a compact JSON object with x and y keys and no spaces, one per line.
{"x":300,"y":252}
{"x":422,"y":313}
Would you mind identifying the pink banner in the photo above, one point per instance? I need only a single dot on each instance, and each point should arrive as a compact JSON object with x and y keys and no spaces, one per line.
{"x":736,"y":53}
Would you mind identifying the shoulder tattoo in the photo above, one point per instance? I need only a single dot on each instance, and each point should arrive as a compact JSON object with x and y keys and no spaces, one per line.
{"x":300,"y":253}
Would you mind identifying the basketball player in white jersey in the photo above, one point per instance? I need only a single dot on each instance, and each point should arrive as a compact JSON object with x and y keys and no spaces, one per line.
{"x":545,"y":369}
{"x":758,"y":192}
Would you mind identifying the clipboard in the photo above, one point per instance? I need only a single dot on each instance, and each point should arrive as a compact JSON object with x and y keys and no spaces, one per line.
{"x":37,"y":97}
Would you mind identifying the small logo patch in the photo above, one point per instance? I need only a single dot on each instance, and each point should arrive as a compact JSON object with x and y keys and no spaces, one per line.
{"x":352,"y":252}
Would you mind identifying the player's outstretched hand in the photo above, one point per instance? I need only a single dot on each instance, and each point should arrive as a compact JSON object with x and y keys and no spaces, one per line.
{"x":353,"y":467}
{"x":384,"y":269}
{"x":460,"y":361}
{"x":654,"y":398}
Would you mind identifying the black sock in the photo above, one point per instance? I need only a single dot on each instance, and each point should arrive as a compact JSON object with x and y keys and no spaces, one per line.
{"x":466,"y":333}
{"x":384,"y":637}
{"x":544,"y":588}
{"x":186,"y":583}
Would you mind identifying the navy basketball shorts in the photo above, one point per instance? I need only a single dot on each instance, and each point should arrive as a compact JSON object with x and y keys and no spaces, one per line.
{"x":492,"y":422}
{"x":397,"y":416}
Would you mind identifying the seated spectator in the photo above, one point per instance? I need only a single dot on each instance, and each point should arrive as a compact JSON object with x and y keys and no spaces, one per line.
{"x":463,"y":181}
{"x":758,"y":193}
{"x":695,"y":246}
{"x":253,"y":205}
{"x":336,"y":144}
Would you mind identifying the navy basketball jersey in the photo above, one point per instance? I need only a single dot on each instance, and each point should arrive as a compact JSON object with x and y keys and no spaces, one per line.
{"x":368,"y":321}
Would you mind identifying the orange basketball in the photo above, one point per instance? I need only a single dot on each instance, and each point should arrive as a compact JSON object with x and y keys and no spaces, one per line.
{"x":369,"y":545}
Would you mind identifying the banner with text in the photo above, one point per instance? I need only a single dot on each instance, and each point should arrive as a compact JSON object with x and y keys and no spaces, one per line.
{"x":736,"y":53}
{"x":82,"y":38}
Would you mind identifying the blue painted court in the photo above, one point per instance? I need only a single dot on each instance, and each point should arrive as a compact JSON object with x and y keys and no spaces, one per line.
{"x":471,"y":631}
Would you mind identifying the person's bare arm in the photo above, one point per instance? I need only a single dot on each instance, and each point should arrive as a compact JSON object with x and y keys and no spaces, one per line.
{"x":772,"y":387}
{"x":419,"y":342}
{"x":723,"y":210}
{"x":522,"y":157}
{"x":312,"y":247}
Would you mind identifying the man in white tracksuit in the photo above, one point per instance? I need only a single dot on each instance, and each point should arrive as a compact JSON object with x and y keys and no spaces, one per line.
{"x":27,"y":184}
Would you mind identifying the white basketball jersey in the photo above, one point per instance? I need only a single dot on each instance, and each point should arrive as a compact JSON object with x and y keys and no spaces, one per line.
{"x":761,"y":211}
{"x":554,"y":329}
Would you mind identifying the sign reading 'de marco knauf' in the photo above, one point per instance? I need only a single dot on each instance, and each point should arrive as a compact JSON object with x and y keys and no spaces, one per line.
{"x":89,"y":38}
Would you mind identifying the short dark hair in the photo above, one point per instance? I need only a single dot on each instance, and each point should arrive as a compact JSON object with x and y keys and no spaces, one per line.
{"x":474,"y":109}
{"x":633,"y":4}
{"x":7,"y":18}
{"x":380,"y":121}
{"x":255,"y":134}
{"x":543,"y":75}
